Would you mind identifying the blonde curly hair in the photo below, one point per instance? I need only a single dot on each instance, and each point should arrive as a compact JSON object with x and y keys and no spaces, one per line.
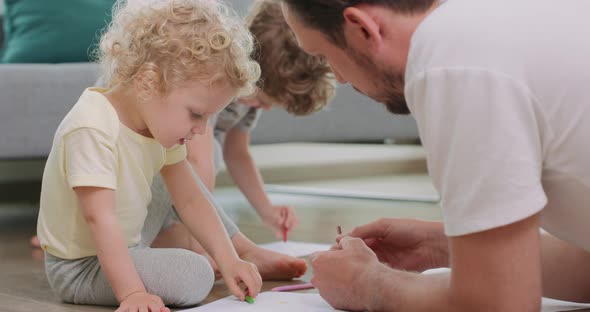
{"x":302,"y":83}
{"x":174,"y":41}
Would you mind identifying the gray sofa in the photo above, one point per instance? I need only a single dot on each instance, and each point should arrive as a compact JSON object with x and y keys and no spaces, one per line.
{"x":35,"y":97}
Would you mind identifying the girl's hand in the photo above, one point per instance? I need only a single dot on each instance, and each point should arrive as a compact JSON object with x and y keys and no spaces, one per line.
{"x":279,"y":219}
{"x":237,"y":272}
{"x":142,"y":301}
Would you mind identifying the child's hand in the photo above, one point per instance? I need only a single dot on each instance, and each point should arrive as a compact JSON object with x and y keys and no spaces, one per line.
{"x":142,"y":301}
{"x":238,"y":272}
{"x":279,"y":218}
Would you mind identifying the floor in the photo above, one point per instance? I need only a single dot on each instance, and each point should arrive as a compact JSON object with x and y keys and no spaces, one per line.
{"x":23,"y":286}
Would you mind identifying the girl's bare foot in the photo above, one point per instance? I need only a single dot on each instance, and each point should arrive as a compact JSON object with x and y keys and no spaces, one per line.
{"x":274,"y":266}
{"x":271,"y":265}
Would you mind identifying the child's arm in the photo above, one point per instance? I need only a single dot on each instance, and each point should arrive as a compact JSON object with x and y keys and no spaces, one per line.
{"x":204,"y":224}
{"x":242,"y":169}
{"x":200,"y":155}
{"x":98,"y":208}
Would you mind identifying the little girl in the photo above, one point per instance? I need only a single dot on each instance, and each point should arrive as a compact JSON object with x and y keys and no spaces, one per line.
{"x":158,"y":58}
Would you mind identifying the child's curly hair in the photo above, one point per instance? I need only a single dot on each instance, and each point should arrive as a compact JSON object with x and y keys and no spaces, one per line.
{"x":302,"y":83}
{"x":174,"y":41}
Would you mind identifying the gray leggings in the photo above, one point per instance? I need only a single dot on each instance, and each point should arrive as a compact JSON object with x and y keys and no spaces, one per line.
{"x":180,"y":277}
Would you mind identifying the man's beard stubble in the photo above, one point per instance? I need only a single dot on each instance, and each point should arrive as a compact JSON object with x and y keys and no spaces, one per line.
{"x":393,"y":94}
{"x":390,"y":84}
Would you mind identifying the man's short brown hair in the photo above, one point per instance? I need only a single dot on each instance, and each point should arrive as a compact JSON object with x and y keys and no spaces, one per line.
{"x":302,"y":83}
{"x":327,"y":15}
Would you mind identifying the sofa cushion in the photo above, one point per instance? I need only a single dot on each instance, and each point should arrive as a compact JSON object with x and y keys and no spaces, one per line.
{"x":351,"y":117}
{"x":34,"y":98}
{"x":1,"y":34}
{"x":53,"y":31}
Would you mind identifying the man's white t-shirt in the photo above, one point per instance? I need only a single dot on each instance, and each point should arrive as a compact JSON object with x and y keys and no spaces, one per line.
{"x":501,"y":94}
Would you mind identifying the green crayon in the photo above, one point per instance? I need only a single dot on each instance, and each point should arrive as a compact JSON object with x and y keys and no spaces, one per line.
{"x":249,"y":299}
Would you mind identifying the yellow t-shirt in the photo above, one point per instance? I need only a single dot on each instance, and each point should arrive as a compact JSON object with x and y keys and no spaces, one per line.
{"x":93,"y":148}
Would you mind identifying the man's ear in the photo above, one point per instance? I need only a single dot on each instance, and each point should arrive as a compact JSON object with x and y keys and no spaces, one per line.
{"x":361,"y":29}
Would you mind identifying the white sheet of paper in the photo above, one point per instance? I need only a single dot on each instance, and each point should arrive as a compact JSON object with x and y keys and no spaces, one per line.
{"x":295,"y":302}
{"x":295,"y":249}
{"x":549,"y":305}
{"x":270,"y":301}
{"x":290,"y":301}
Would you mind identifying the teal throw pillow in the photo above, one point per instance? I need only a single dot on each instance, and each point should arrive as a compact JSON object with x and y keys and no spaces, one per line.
{"x":53,"y":31}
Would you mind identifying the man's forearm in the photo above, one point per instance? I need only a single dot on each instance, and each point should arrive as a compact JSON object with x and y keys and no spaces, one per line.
{"x":393,"y":290}
{"x":414,"y":292}
{"x":566,"y":270}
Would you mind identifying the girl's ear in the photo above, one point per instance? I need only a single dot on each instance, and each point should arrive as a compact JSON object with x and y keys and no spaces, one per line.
{"x":147,"y":82}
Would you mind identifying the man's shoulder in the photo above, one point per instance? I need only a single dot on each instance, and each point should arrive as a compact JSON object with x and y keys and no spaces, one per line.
{"x":452,"y":34}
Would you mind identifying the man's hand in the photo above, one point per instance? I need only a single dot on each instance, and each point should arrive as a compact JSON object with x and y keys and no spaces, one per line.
{"x":343,"y":276}
{"x":405,"y":244}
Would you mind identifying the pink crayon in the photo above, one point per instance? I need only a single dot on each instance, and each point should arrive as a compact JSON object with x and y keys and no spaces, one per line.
{"x":293,"y":287}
